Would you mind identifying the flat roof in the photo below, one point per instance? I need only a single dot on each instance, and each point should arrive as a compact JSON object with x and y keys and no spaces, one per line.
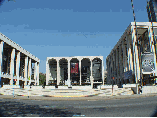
{"x":139,"y":25}
{"x":17,"y":47}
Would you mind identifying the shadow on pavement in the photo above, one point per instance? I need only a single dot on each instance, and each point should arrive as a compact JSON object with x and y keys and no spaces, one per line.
{"x":14,"y":109}
{"x":155,"y":113}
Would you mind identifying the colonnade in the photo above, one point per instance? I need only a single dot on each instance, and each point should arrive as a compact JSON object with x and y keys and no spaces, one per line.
{"x":126,"y":53}
{"x":15,"y":58}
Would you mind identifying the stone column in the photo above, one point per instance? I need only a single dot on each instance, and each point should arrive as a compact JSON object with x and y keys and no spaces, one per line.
{"x":80,"y":70}
{"x":12,"y":66}
{"x":152,"y":49}
{"x":107,"y":69}
{"x":114,"y":64}
{"x":126,"y":53}
{"x":109,"y":65}
{"x":135,"y":53}
{"x":120,"y":62}
{"x":111,"y":69}
{"x":58,"y":73}
{"x":26,"y":69}
{"x":37,"y":73}
{"x":1,"y":59}
{"x":130,"y":65}
{"x":91,"y":70}
{"x":29,"y":70}
{"x":117,"y":64}
{"x":69,"y":81}
{"x":47,"y":72}
{"x":17,"y":67}
{"x":102,"y":71}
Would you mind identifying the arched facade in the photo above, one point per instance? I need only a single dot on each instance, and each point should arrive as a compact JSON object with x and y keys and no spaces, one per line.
{"x":74,"y":70}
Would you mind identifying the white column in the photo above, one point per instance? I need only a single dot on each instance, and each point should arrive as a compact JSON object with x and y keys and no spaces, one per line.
{"x":26,"y":67}
{"x":135,"y":53}
{"x":102,"y":71}
{"x":130,"y":64}
{"x":29,"y":70}
{"x":80,"y":70}
{"x":37,"y":73}
{"x":152,"y":49}
{"x":1,"y":57}
{"x":58,"y":73}
{"x":91,"y":69}
{"x":12,"y":66}
{"x":17,"y":67}
{"x":47,"y":72}
{"x":69,"y":81}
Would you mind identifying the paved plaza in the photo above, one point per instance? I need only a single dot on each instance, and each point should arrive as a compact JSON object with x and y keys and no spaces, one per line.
{"x":65,"y":92}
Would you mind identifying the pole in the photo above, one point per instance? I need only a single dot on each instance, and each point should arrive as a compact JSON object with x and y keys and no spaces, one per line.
{"x":136,"y":38}
{"x":148,"y":7}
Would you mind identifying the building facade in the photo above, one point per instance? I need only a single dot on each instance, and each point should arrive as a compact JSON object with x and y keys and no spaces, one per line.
{"x":152,"y":10}
{"x":16,"y":64}
{"x":77,"y":70}
{"x":133,"y":58}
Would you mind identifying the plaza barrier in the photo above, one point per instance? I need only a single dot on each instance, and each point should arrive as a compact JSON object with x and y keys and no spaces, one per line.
{"x":129,"y":85}
{"x":10,"y":86}
{"x":149,"y":89}
{"x":62,"y":87}
{"x":107,"y":86}
{"x":34,"y":87}
{"x":49,"y":87}
{"x":81,"y":87}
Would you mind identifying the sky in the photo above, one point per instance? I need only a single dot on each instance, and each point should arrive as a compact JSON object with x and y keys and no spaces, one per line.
{"x":63,"y":28}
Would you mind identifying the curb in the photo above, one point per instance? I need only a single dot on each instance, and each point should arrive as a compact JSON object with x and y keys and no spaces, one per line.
{"x":57,"y":98}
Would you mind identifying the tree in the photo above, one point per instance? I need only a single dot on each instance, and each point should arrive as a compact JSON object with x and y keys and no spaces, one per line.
{"x":42,"y":78}
{"x":1,"y":1}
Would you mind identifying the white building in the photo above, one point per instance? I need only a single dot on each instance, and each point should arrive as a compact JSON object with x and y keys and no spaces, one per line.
{"x":59,"y":70}
{"x":16,"y":64}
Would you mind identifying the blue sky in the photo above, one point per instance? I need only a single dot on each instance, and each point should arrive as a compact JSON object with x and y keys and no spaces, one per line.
{"x":55,"y":28}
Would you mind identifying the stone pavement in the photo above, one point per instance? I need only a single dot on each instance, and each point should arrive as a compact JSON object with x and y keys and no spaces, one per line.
{"x":64,"y":92}
{"x":67,"y":94}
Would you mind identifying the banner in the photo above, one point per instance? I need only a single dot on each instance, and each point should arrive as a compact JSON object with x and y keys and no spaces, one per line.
{"x":74,"y":68}
{"x":148,"y":62}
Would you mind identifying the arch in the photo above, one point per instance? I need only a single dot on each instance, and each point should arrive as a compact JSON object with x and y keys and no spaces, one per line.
{"x":74,"y":71}
{"x":53,"y":70}
{"x":63,"y":64}
{"x":97,"y":69}
{"x":85,"y":70}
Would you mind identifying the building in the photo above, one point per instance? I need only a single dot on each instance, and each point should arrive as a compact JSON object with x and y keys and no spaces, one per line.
{"x":16,"y":64}
{"x":133,"y":58}
{"x":152,"y":10}
{"x":75,"y":70}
